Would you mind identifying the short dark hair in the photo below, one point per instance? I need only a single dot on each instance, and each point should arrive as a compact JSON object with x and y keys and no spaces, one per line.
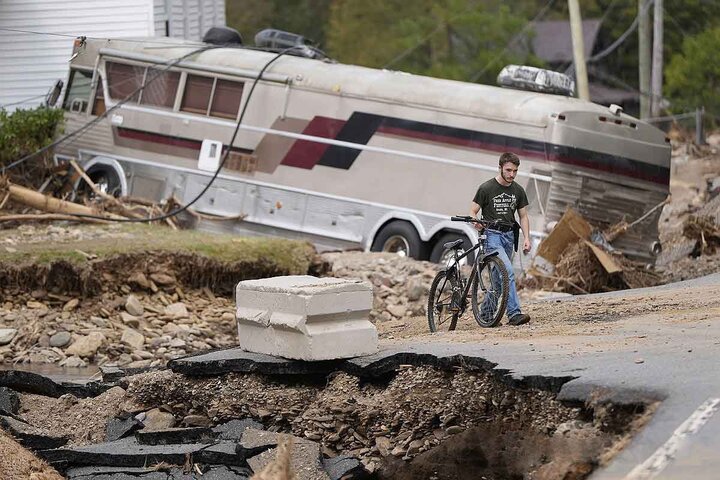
{"x":509,"y":157}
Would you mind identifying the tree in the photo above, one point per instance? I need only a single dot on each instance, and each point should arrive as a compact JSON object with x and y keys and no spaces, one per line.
{"x":457,"y":39}
{"x":693,"y":75}
{"x":304,"y":17}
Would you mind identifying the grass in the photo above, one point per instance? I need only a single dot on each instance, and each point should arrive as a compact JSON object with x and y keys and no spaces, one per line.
{"x":108,"y":241}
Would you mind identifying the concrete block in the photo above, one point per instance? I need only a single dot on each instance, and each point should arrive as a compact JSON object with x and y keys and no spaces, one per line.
{"x":306,"y":318}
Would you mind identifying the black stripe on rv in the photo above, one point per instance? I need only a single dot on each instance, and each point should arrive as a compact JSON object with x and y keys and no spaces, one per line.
{"x":359,"y":128}
{"x":362,"y":126}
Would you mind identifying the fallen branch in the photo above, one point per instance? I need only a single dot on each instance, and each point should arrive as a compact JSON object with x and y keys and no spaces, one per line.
{"x":38,"y":201}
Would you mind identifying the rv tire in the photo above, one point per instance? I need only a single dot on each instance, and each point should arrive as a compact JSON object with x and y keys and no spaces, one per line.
{"x":440,"y":255}
{"x":106,"y":179}
{"x":399,"y":237}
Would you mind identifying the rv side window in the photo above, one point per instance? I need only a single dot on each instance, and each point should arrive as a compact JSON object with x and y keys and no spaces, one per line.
{"x":212,"y":96}
{"x":78,"y":91}
{"x":99,"y":102}
{"x":226,"y":99}
{"x":196,"y":98}
{"x":123,"y":80}
{"x":160,"y":88}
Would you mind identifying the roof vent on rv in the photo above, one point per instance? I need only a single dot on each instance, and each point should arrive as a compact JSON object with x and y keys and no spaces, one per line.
{"x":273,"y":39}
{"x":536,"y":79}
{"x":222,"y":36}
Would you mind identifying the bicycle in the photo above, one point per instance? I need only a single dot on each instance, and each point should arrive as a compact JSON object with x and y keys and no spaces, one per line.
{"x":488,"y":280}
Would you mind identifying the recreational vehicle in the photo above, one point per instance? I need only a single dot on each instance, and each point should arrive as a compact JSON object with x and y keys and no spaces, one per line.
{"x":348,"y":156}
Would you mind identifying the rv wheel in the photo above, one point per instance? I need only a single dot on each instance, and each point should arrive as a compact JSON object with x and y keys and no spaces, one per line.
{"x":399,"y":237}
{"x":440,"y":254}
{"x":105,"y":178}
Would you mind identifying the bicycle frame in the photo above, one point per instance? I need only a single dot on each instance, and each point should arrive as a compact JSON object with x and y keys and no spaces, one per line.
{"x":480,"y":248}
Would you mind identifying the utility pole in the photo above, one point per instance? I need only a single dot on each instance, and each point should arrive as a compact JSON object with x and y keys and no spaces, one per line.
{"x":657,"y":64}
{"x":644,"y":56}
{"x":578,"y":50}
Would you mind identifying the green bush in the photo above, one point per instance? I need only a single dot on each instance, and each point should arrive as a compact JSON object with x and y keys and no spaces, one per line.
{"x":23,"y":132}
{"x":693,"y":75}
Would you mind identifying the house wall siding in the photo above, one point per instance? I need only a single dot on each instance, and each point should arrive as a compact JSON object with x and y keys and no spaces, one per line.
{"x":31,"y":63}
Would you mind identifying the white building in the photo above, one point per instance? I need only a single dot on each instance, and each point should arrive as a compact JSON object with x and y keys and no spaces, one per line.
{"x":36,"y":36}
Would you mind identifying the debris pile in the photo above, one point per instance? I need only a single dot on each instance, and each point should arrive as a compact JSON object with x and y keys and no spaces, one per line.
{"x":575,"y":258}
{"x":400,"y":284}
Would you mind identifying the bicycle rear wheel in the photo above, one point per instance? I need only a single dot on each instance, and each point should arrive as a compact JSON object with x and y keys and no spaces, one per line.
{"x":438,"y":311}
{"x":490,"y":292}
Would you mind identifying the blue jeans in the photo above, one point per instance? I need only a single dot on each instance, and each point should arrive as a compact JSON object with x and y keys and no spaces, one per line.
{"x":504,"y":243}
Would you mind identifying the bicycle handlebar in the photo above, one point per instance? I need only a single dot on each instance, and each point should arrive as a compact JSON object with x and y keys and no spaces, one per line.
{"x":485,"y":223}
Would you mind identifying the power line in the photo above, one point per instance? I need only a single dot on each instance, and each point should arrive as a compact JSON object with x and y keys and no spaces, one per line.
{"x":25,"y":100}
{"x":427,"y":37}
{"x":95,"y":120}
{"x":539,"y":15}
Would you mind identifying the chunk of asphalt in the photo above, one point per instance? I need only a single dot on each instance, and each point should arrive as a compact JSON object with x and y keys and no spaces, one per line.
{"x":237,"y":360}
{"x":209,"y":472}
{"x":233,"y":430}
{"x":305,"y":457}
{"x":28,"y":382}
{"x":127,"y":452}
{"x":9,"y":401}
{"x":171,"y":436}
{"x":344,"y":467}
{"x":113,"y":373}
{"x":120,"y":427}
{"x":29,"y":436}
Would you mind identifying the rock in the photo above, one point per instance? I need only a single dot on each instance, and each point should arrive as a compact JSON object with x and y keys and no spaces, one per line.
{"x":196,"y":421}
{"x":454,"y":429}
{"x":133,"y":338}
{"x":133,"y":306}
{"x":398,"y":451}
{"x":73,"y":362}
{"x":416,"y":289}
{"x":130,"y":320}
{"x":162,"y":279}
{"x":156,"y":419}
{"x":176,"y":310}
{"x":414,"y":447}
{"x":86,"y":346}
{"x":7,"y":335}
{"x":397,"y":311}
{"x":71,"y":305}
{"x":139,"y":279}
{"x":384,"y":445}
{"x":60,"y":339}
{"x":9,"y":401}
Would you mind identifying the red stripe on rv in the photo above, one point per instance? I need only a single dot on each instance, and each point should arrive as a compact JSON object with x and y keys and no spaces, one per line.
{"x":463,"y":142}
{"x":304,"y":153}
{"x":156,"y":138}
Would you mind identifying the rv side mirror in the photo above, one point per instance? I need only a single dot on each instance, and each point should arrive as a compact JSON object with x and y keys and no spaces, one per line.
{"x":54,"y":93}
{"x":616,"y":109}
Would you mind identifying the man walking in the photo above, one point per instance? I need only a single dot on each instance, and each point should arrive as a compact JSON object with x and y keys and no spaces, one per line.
{"x":499,"y":198}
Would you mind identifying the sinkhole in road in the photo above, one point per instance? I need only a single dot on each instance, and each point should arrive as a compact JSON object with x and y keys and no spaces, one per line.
{"x":417,"y":421}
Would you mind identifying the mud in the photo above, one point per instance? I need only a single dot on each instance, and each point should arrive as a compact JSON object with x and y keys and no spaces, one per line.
{"x":90,"y":278}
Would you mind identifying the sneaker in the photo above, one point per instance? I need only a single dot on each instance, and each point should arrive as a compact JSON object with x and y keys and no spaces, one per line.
{"x":519,"y":319}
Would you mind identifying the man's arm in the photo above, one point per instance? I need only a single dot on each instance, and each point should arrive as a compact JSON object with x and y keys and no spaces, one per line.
{"x":474,"y":210}
{"x":525,"y":227}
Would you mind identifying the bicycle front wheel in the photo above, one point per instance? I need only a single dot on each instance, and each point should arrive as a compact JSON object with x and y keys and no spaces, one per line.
{"x":490,"y":292}
{"x":439,"y":312}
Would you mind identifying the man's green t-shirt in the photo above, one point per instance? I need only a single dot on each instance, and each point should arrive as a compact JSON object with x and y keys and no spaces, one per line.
{"x":499,"y":202}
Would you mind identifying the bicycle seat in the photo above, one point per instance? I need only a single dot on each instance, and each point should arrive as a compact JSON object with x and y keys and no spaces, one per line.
{"x":454,"y":245}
